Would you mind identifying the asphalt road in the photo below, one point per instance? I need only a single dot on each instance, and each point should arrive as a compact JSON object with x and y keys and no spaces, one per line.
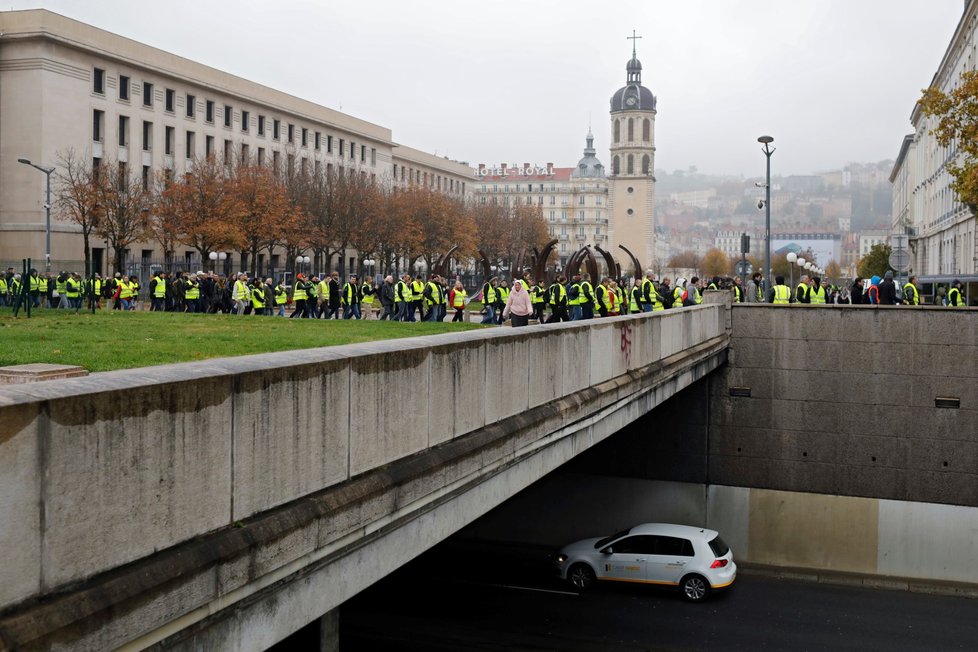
{"x":471,"y":599}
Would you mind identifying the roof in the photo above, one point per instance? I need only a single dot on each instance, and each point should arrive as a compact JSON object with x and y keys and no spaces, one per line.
{"x":673,"y":530}
{"x":643,"y":99}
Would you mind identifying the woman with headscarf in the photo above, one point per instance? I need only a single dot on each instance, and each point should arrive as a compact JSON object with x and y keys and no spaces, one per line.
{"x":519,"y":305}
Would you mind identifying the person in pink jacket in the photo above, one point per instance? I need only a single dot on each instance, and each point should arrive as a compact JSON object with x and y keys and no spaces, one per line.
{"x":519,"y":305}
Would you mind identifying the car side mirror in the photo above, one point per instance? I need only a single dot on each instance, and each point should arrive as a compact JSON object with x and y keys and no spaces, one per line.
{"x":608,"y":551}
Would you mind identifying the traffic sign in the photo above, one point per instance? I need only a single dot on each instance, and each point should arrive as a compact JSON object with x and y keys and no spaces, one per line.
{"x":900,"y":260}
{"x":743,"y":268}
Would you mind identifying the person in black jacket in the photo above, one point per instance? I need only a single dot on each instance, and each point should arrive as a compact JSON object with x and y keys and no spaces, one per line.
{"x":888,"y":294}
{"x":334,"y":297}
{"x":856,"y":291}
{"x":387,"y":298}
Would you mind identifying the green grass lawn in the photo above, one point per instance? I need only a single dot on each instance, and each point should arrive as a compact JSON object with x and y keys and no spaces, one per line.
{"x":111,"y":340}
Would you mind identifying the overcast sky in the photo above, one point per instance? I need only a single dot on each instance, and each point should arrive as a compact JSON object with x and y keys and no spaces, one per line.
{"x":833,"y":81}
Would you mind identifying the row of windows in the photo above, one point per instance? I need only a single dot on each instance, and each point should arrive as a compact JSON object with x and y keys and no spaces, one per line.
{"x":428,"y":179}
{"x":630,"y":164}
{"x":580,"y":231}
{"x":210,"y":109}
{"x":98,"y":135}
{"x":630,"y":127}
{"x":540,"y":187}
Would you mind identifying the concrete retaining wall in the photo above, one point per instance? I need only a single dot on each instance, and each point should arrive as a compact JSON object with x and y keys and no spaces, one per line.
{"x":842,"y":401}
{"x":102,"y":471}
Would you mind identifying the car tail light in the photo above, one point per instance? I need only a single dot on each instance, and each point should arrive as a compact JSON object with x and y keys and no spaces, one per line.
{"x":718,"y":563}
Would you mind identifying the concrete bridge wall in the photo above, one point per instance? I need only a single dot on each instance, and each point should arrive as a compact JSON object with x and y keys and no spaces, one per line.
{"x":147,"y":501}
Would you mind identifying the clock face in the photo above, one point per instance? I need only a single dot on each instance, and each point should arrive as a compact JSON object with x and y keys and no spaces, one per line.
{"x":630,"y":101}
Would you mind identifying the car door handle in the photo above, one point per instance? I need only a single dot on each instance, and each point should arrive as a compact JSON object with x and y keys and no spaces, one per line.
{"x":641,"y":559}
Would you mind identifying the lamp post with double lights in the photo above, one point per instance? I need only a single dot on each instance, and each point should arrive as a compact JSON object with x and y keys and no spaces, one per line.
{"x":47,"y":210}
{"x":216,"y":256}
{"x":768,"y":150}
{"x":300,"y":262}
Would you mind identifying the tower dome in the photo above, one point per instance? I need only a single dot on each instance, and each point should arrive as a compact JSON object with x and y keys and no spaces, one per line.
{"x":633,"y":96}
{"x":589,"y":166}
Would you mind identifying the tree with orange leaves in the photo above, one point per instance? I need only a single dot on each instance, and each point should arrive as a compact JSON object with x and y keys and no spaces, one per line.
{"x":266,"y":211}
{"x":208,"y":211}
{"x":125,"y":206}
{"x":164,"y":219}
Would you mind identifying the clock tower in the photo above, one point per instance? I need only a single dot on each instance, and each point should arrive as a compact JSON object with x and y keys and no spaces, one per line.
{"x":631,"y":192}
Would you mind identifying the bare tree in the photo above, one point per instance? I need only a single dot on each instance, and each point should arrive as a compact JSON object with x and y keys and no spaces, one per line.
{"x":78,"y":197}
{"x":125,"y":207}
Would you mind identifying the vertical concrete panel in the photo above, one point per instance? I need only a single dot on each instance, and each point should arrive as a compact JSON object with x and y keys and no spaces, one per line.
{"x":546,"y":371}
{"x":20,"y":502}
{"x":671,"y":337}
{"x":604,"y":349}
{"x":813,"y":530}
{"x":458,"y":380}
{"x":728,"y":512}
{"x":132,"y":472}
{"x":291,"y":433}
{"x":395,"y":384}
{"x":928,"y":540}
{"x":508,"y":376}
{"x":575,"y":353}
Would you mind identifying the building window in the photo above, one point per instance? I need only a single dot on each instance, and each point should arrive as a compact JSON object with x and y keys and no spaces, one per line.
{"x":329,"y":144}
{"x":208,"y":146}
{"x":363,"y":153}
{"x":305,"y":137}
{"x":373,"y":157}
{"x":245,"y":121}
{"x":318,"y":140}
{"x":228,"y":114}
{"x":631,"y":164}
{"x":341,"y":147}
{"x":123,"y":131}
{"x":276,"y":129}
{"x":98,"y":125}
{"x":291,"y":138}
{"x":170,"y":99}
{"x":191,"y":105}
{"x":646,"y":130}
{"x":98,"y":83}
{"x":615,"y":165}
{"x":147,"y":136}
{"x":261,"y":125}
{"x":228,"y":151}
{"x":245,"y":154}
{"x":209,"y":111}
{"x":631,"y":130}
{"x":124,"y":88}
{"x":617,"y":131}
{"x":261,"y":156}
{"x":275,"y":162}
{"x":145,"y":177}
{"x":147,"y":94}
{"x":353,"y":154}
{"x":168,"y":141}
{"x":646,"y":162}
{"x":190,"y":145}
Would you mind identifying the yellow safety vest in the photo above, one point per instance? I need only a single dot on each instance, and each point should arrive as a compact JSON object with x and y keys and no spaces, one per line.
{"x":258,"y":297}
{"x":817,"y":295}
{"x":958,"y":303}
{"x":458,"y":299}
{"x":125,"y":290}
{"x":417,"y":290}
{"x":367,"y":294}
{"x":402,"y":293}
{"x":299,"y":293}
{"x":580,"y":295}
{"x":160,"y":290}
{"x":281,"y":296}
{"x":193,"y":290}
{"x":558,"y":294}
{"x":909,"y":289}
{"x":782,"y":295}
{"x":489,"y":294}
{"x":72,"y":288}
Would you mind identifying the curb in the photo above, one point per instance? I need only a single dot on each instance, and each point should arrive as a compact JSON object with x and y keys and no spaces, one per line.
{"x":842,"y":578}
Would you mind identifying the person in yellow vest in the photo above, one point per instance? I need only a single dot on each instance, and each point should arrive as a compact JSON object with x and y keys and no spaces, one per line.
{"x":322,"y":290}
{"x":502,"y":296}
{"x":538,"y":297}
{"x":257,"y":297}
{"x":575,"y":298}
{"x":125,"y":293}
{"x":457,"y":300}
{"x":911,"y":295}
{"x":803,"y":291}
{"x":299,"y":293}
{"x":587,"y":296}
{"x":281,"y":298}
{"x":4,"y":290}
{"x":134,"y":288}
{"x":157,"y":292}
{"x":240,"y":294}
{"x":417,"y":292}
{"x":367,"y":294}
{"x":191,"y":293}
{"x":738,"y":290}
{"x":693,"y":295}
{"x":647,"y":293}
{"x":431,"y":296}
{"x":679,"y":293}
{"x":635,"y":297}
{"x":557,"y":295}
{"x":954,"y":297}
{"x":817,"y":294}
{"x":34,"y":288}
{"x":489,"y":296}
{"x":351,"y":298}
{"x":44,"y":291}
{"x":402,"y":298}
{"x":602,"y":301}
{"x":73,"y":290}
{"x":620,"y":291}
{"x":313,"y":307}
{"x":614,"y":304}
{"x":780,"y":294}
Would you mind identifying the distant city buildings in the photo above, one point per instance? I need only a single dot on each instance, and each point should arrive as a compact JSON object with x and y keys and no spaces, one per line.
{"x":941,"y":228}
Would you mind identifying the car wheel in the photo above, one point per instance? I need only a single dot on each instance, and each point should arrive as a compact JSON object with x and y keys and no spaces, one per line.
{"x":581,"y":576}
{"x":695,"y":588}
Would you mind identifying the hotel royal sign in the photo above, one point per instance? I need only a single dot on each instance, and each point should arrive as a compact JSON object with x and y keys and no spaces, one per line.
{"x":525,"y":170}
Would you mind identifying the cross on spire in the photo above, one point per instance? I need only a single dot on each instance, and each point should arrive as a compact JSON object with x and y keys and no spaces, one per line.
{"x":633,"y":39}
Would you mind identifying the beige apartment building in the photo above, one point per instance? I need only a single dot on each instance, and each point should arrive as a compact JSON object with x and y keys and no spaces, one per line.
{"x":941,"y":228}
{"x":67,"y":86}
{"x":573,"y":201}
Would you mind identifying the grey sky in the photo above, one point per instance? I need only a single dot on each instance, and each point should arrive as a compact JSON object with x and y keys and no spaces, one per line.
{"x":833,"y":81}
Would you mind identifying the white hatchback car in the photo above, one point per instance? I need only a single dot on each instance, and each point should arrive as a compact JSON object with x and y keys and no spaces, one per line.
{"x":694,"y":559}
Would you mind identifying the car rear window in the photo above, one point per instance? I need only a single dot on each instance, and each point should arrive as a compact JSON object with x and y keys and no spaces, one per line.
{"x":719,"y":547}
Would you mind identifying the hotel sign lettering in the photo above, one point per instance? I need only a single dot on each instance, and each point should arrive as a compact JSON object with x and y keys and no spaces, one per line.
{"x":525,"y":170}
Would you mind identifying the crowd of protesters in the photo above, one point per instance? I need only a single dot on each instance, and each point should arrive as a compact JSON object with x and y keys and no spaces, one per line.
{"x":419,"y":298}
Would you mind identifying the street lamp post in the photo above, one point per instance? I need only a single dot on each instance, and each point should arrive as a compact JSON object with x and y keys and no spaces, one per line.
{"x":369,"y":264}
{"x":792,"y":259}
{"x":768,"y":150}
{"x":47,"y":208}
{"x":300,"y":261}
